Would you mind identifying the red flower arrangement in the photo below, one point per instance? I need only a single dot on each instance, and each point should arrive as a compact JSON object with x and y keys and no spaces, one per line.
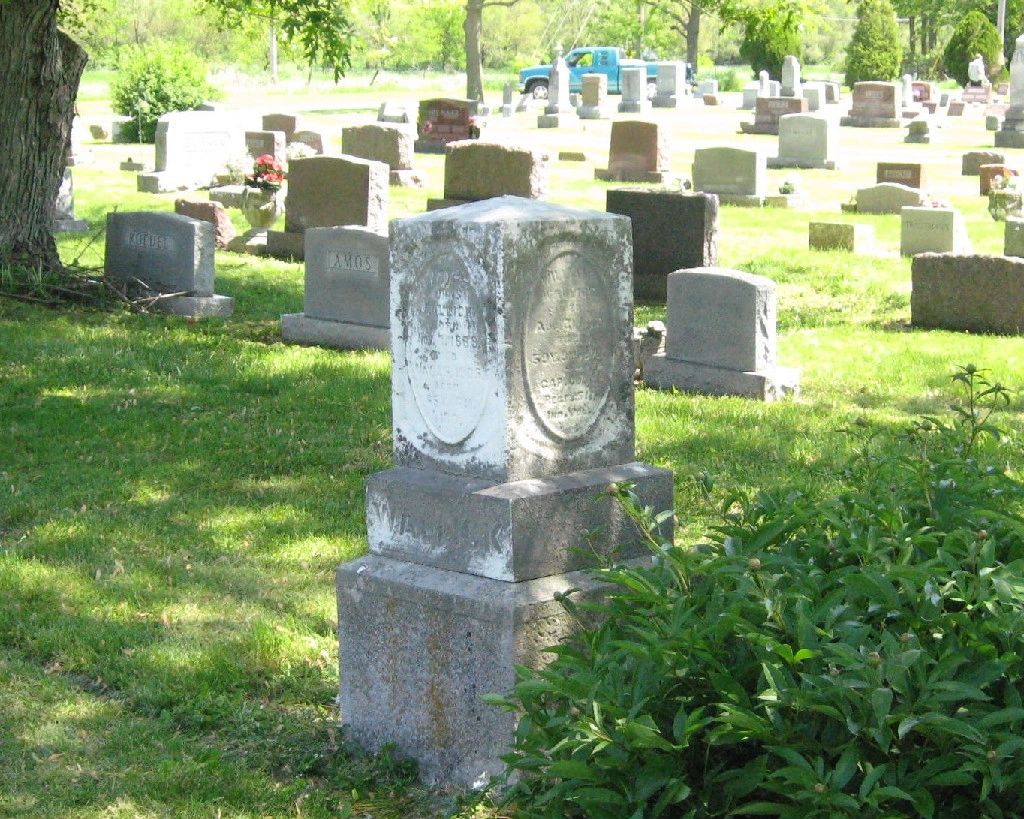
{"x":267,"y":174}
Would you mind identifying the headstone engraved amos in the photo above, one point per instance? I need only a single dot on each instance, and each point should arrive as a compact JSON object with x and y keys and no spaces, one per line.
{"x":330,"y":191}
{"x":346,"y":299}
{"x":875,"y":105}
{"x":154,"y":253}
{"x":191,"y":147}
{"x":1011,"y":134}
{"x":512,"y":407}
{"x":444,"y":120}
{"x":721,"y":337}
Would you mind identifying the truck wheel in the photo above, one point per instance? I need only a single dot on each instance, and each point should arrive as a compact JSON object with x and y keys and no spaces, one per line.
{"x":538,"y":89}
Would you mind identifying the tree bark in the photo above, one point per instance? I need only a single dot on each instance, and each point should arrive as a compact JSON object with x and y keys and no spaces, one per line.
{"x":41,"y":69}
{"x":473,"y":26}
{"x":693,"y":35}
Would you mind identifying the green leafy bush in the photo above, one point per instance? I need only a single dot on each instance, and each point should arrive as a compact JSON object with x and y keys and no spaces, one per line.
{"x":855,"y":656}
{"x":876,"y":50}
{"x":770,"y":33}
{"x":154,"y":81}
{"x":974,"y":34}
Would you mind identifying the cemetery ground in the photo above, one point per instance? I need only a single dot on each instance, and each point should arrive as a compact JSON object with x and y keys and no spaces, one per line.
{"x":175,"y":496}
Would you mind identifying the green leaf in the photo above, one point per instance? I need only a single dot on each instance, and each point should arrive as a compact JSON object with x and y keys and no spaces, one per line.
{"x":881,"y":702}
{"x":572,"y":769}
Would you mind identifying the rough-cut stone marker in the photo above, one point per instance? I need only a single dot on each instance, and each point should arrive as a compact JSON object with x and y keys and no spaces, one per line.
{"x":512,"y":406}
{"x":721,"y":337}
{"x":840,"y":236}
{"x":390,"y":144}
{"x":980,"y":294}
{"x":971,"y":162}
{"x":475,"y":170}
{"x":212,"y":212}
{"x":637,"y":153}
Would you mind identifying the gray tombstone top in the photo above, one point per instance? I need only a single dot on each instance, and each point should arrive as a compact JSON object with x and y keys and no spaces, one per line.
{"x":393,"y":112}
{"x":271,"y":143}
{"x":192,"y":146}
{"x":506,"y":93}
{"x":1017,"y":73}
{"x":328,"y":191}
{"x":289,"y":123}
{"x":634,"y":84}
{"x":380,"y":142}
{"x":791,"y":86}
{"x":721,"y":318}
{"x":763,"y":83}
{"x":670,"y":78}
{"x":808,"y":137}
{"x":595,"y":90}
{"x":730,"y":171}
{"x":347,"y":276}
{"x":169,"y":253}
{"x":637,"y":146}
{"x":474,"y":169}
{"x":512,"y":340}
{"x":558,"y":88}
{"x":887,"y":197}
{"x":907,"y":89}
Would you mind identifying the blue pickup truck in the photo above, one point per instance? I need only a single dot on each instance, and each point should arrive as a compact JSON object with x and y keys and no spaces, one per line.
{"x":587,"y":60}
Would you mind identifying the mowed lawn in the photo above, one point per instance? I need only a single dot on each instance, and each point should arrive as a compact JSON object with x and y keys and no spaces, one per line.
{"x":174,"y":496}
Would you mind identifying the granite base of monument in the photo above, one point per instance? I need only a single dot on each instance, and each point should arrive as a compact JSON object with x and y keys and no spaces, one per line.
{"x":871,"y":122}
{"x":760,"y":128}
{"x":420,"y":646}
{"x":1009,"y":139}
{"x":405,"y":178}
{"x":632,"y":175}
{"x":439,"y":204}
{"x":298,"y":328}
{"x":664,"y":373}
{"x":197,"y":306}
{"x":230,"y":196}
{"x":504,"y":531}
{"x":161,"y":182}
{"x":284,"y":245}
{"x":550,"y":120}
{"x":798,"y":162}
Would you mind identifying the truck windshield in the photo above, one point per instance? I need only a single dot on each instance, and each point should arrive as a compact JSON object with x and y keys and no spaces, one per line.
{"x":581,"y":59}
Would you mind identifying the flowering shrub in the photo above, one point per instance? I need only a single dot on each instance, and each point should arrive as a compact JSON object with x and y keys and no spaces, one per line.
{"x":267,"y":174}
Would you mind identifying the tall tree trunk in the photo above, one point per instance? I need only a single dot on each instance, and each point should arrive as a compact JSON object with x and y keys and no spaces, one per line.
{"x":913,"y":41}
{"x":473,"y":27}
{"x":42,"y":68}
{"x":693,"y":35}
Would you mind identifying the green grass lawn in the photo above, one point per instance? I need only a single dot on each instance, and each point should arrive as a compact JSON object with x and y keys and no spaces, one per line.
{"x":174,"y":497}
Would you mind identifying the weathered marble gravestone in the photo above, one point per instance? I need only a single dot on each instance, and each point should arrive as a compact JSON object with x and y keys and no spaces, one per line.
{"x":1011,"y":134}
{"x":814,"y":93}
{"x":191,"y":147}
{"x":480,"y":170}
{"x":769,"y":110}
{"x":993,"y":122}
{"x":979,"y":294}
{"x":558,"y":96}
{"x":791,"y":86}
{"x":288,"y":124}
{"x":932,"y":230}
{"x":736,"y":175}
{"x":594,"y":99}
{"x":390,"y":144}
{"x":832,"y":93}
{"x":751,"y":91}
{"x":671,"y":85}
{"x":637,"y":153}
{"x":806,"y":141}
{"x":154,"y":253}
{"x":269,"y":143}
{"x":314,"y":140}
{"x":347,"y":291}
{"x":512,"y":407}
{"x":910,"y":174}
{"x":840,"y":236}
{"x":971,"y":162}
{"x":707,"y":87}
{"x":875,"y":105}
{"x":671,"y":231}
{"x":507,"y":91}
{"x":721,"y":337}
{"x":64,"y":220}
{"x":888,"y":197}
{"x":634,"y":90}
{"x":330,"y":191}
{"x":990,"y":173}
{"x":441,"y":121}
{"x":212,"y":212}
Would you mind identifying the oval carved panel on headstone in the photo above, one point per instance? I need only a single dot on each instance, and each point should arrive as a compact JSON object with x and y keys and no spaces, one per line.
{"x":447,"y":350}
{"x":568,"y":377}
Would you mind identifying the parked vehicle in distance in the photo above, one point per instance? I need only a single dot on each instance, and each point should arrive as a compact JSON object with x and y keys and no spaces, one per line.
{"x":605,"y":60}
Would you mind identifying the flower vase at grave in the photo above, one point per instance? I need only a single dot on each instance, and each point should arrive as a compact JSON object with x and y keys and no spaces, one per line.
{"x":261,"y":207}
{"x":1004,"y":203}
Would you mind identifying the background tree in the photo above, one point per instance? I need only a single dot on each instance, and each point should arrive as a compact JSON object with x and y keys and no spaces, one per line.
{"x":974,"y":34}
{"x":771,"y":32}
{"x":876,"y":50}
